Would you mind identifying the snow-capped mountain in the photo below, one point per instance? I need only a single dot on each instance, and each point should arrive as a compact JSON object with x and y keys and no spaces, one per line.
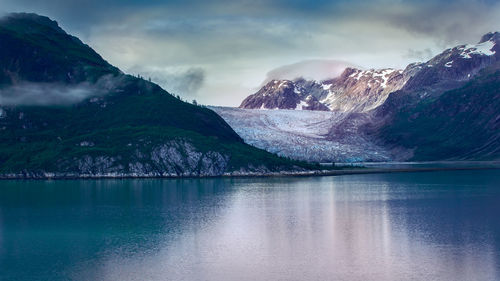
{"x":283,"y":94}
{"x":357,"y":90}
{"x":458,"y":64}
{"x":445,"y":108}
{"x":361,"y":90}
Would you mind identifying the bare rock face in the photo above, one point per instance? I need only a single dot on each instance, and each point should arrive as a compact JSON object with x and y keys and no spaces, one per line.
{"x":361,"y":90}
{"x":355,"y":90}
{"x":172,"y":158}
{"x":282,"y":94}
{"x":182,"y":158}
{"x":98,"y":165}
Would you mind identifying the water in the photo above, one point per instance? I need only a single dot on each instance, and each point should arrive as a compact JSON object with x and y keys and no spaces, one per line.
{"x":424,"y":164}
{"x":405,"y":226}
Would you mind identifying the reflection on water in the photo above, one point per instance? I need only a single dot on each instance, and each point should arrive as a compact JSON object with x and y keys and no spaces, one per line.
{"x":410,"y":226}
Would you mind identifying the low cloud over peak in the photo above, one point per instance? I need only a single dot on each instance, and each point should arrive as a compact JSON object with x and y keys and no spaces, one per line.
{"x":309,"y":69}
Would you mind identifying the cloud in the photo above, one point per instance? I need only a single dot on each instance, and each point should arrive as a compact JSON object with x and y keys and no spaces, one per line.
{"x":176,"y":80}
{"x":419,"y":55}
{"x":45,"y":94}
{"x":309,"y":69}
{"x":443,"y":21}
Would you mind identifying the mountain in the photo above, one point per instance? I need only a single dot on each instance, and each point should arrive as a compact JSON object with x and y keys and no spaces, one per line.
{"x":462,"y":123}
{"x":361,"y":90}
{"x":455,"y":65}
{"x":455,"y":114}
{"x":36,"y":49}
{"x":357,"y":90}
{"x":445,"y":108}
{"x":354,"y":90}
{"x":66,"y":112}
{"x":282,"y":94}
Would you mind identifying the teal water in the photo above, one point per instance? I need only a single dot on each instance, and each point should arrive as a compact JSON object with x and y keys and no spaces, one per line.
{"x":407,"y":226}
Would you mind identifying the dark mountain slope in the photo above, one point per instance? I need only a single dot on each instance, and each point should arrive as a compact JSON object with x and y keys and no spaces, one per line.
{"x":463,"y":123}
{"x":35,"y":48}
{"x":115,"y":125}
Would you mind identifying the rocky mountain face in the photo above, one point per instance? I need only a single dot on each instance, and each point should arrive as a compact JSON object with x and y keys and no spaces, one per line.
{"x":355,"y":90}
{"x":66,"y":112}
{"x":445,"y":108}
{"x":283,"y":94}
{"x":361,"y":90}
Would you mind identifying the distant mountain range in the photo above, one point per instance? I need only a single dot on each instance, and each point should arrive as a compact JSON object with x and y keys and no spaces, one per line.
{"x":359,"y":90}
{"x":445,"y":108}
{"x":66,"y":112}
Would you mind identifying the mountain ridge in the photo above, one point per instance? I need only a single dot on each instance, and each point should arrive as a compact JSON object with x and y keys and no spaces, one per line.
{"x":357,"y":90}
{"x":119,"y":125}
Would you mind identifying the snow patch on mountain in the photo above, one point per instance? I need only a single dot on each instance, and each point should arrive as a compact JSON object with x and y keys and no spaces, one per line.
{"x":484,"y":48}
{"x":301,"y":105}
{"x":359,"y":90}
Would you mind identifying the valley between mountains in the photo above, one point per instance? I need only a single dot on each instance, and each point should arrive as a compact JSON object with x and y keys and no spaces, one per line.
{"x":303,"y":134}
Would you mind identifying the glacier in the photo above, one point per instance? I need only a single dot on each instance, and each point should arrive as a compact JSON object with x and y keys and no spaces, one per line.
{"x":302,"y":135}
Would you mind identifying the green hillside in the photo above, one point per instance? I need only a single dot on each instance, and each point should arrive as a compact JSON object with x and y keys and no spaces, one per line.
{"x":459,"y":124}
{"x":126,"y":125}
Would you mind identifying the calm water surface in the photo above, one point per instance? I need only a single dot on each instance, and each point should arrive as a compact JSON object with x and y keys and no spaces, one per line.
{"x":408,"y":226}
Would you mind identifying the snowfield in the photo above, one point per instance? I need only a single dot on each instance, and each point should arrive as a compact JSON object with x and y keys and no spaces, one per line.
{"x":303,"y":135}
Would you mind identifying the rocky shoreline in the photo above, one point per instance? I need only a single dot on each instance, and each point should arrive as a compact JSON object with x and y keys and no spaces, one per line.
{"x":236,"y":174}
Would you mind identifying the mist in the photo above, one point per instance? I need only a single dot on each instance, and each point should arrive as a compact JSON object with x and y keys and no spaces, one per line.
{"x":46,"y":94}
{"x":176,"y":80}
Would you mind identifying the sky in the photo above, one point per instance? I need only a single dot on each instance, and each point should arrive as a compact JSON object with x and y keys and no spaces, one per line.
{"x":218,"y":52}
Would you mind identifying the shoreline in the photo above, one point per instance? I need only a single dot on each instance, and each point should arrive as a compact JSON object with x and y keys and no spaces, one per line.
{"x":314,"y":173}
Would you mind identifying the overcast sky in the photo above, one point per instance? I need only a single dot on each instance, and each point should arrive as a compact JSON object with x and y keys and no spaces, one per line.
{"x":218,"y":52}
